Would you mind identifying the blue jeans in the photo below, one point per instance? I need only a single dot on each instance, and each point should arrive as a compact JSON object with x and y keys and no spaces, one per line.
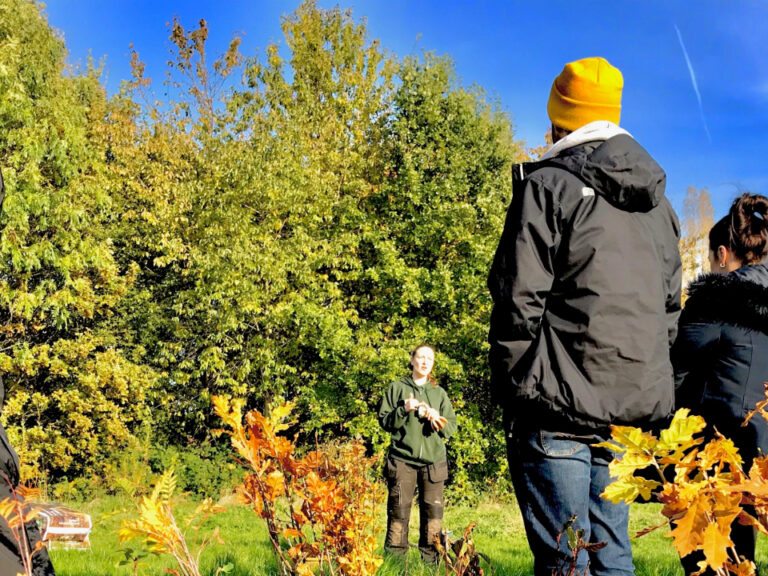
{"x":556,"y":475}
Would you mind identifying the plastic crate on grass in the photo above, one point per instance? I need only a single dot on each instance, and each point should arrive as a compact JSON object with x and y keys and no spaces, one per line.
{"x":62,"y":527}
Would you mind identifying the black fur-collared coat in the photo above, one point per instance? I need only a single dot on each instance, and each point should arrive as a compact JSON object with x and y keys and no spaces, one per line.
{"x":721,"y":354}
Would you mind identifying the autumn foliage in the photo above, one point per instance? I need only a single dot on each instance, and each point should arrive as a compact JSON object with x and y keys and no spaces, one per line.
{"x":17,"y":514}
{"x":159,"y":530}
{"x":322,"y":505}
{"x":460,"y":557}
{"x":703,"y":487}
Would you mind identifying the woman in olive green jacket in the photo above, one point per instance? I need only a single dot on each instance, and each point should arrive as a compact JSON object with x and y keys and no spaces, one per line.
{"x":419,"y":416}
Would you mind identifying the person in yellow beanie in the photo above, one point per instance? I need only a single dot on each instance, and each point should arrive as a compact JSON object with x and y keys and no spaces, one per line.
{"x":585,"y":91}
{"x":585,"y":285}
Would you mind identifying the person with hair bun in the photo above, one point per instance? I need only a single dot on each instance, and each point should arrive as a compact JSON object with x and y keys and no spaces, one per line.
{"x":419,"y":416}
{"x":721,"y":352}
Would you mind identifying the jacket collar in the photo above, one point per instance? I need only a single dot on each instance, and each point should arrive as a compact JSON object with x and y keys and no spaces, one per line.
{"x":740,"y":297}
{"x":597,"y":131}
{"x":409,"y":381}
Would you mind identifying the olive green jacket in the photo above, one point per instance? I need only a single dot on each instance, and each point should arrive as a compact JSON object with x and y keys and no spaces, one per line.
{"x":413,"y":440}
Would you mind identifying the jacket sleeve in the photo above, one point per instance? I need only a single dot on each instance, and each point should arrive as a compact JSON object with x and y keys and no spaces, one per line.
{"x":674,"y":277}
{"x":392,"y":415}
{"x":446,"y":411}
{"x":521,"y":278}
{"x":691,"y":356}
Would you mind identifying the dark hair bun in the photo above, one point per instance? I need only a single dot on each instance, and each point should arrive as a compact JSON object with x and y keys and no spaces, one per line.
{"x":749,"y":228}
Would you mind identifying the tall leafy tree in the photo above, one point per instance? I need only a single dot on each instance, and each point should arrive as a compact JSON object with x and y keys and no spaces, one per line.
{"x":298,"y":234}
{"x":698,"y":219}
{"x":73,"y":391}
{"x":292,"y":224}
{"x":440,"y":213}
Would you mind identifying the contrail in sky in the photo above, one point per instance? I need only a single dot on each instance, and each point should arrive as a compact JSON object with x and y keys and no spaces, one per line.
{"x":693,"y":81}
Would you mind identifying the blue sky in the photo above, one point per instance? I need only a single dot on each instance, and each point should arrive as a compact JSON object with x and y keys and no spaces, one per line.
{"x":514,"y":50}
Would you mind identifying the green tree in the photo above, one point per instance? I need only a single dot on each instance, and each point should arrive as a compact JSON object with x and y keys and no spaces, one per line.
{"x":73,"y":392}
{"x":439,"y":217}
{"x":291,"y":225}
{"x":300,"y":233}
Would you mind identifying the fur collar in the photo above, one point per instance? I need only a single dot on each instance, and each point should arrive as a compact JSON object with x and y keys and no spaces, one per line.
{"x":739,"y":298}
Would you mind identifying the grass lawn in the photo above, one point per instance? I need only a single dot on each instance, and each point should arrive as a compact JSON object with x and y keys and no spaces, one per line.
{"x":499,"y":534}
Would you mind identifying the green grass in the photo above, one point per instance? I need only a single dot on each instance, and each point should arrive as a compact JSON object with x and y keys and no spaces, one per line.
{"x":499,"y":534}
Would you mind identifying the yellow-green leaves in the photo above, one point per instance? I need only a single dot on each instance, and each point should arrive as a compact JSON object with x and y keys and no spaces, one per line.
{"x":75,"y":385}
{"x":288,"y":224}
{"x":629,"y":489}
{"x":703,"y":488}
{"x":157,"y":527}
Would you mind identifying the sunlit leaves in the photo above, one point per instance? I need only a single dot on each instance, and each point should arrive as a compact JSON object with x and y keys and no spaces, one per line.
{"x":701,"y":486}
{"x":157,"y":527}
{"x":679,"y":434}
{"x":293,"y":234}
{"x":330,"y":496}
{"x":16,"y":513}
{"x":75,"y":387}
{"x":630,"y":489}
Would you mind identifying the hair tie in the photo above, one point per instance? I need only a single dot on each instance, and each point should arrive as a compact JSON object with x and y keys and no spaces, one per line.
{"x":757,"y":215}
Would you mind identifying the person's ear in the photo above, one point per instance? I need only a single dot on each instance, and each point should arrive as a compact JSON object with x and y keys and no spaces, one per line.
{"x":722,"y":256}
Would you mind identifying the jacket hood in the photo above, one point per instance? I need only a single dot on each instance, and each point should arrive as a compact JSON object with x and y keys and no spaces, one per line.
{"x":739,"y":297}
{"x":618,"y":169}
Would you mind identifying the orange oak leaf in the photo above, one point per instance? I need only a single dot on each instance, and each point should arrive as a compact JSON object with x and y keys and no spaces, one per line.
{"x":689,"y":527}
{"x":715,"y":544}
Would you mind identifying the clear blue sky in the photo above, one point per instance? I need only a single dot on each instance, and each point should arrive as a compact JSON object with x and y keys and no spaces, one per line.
{"x":514,"y":50}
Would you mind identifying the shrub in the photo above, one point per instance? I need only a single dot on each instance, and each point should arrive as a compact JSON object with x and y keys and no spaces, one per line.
{"x":331,"y":503}
{"x":703,"y":487}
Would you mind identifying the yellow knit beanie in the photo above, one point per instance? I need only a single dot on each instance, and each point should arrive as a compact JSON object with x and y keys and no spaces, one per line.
{"x":586,"y":90}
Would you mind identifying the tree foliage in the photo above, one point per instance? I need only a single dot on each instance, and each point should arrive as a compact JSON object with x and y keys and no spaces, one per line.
{"x":284,"y":225}
{"x":73,"y":391}
{"x":698,"y":219}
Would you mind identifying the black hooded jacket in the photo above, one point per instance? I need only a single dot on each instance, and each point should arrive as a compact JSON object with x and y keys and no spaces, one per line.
{"x":586,"y":290}
{"x":721,"y":354}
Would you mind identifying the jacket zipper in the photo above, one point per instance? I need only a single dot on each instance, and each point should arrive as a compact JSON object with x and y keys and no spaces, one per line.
{"x":421,"y":438}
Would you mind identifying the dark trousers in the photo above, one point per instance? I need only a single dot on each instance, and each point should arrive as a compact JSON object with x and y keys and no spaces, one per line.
{"x":10,"y":561}
{"x":403,"y":480}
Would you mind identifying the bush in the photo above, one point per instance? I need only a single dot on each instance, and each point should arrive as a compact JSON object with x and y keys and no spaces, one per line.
{"x":205,"y":470}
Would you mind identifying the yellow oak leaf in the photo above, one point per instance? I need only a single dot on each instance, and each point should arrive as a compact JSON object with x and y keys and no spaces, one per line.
{"x":633,"y":439}
{"x":743,"y":568}
{"x":720,"y":451}
{"x":628,"y":489}
{"x":681,"y":430}
{"x":292,"y":533}
{"x":275,"y":482}
{"x":726,"y":509}
{"x":689,"y":527}
{"x":629,"y":464}
{"x":677,"y":498}
{"x":280,"y":413}
{"x":231,"y":414}
{"x":759,"y":468}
